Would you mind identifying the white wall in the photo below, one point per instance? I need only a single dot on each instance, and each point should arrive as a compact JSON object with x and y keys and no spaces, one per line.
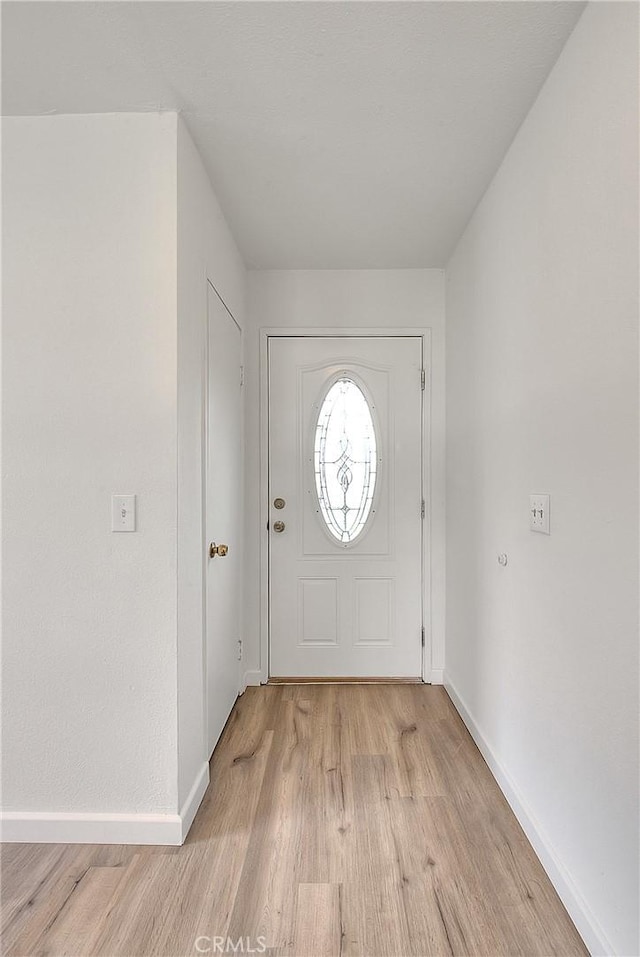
{"x":542,"y":396}
{"x":341,"y":299}
{"x":206,"y":250}
{"x":110,"y":230}
{"x":89,"y":305}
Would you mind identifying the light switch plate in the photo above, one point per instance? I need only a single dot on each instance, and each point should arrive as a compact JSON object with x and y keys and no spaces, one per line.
{"x":539,"y":514}
{"x":123,"y":513}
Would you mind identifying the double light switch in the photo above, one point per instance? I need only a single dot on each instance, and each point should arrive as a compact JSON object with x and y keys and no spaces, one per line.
{"x":539,"y":514}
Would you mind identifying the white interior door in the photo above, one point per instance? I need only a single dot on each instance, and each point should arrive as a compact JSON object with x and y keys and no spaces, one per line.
{"x":345,"y":511}
{"x":223,"y":514}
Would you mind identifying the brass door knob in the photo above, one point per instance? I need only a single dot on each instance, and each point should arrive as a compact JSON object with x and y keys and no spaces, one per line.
{"x":278,"y":526}
{"x":220,"y":550}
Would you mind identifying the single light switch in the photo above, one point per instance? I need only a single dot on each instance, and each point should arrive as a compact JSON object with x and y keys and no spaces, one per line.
{"x":539,"y":514}
{"x":123,"y":513}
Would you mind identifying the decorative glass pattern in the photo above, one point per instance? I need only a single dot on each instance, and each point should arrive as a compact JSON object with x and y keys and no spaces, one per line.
{"x":345,"y":460}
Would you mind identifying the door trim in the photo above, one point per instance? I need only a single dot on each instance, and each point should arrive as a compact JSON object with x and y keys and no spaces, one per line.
{"x":296,"y":332}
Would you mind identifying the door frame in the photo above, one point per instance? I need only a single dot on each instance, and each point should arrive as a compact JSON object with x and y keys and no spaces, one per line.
{"x":305,"y":332}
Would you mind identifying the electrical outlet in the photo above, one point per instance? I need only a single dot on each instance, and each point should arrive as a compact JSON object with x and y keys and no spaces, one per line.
{"x":539,"y":514}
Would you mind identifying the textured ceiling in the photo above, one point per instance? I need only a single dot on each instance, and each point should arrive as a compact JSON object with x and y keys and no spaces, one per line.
{"x":336,"y":134}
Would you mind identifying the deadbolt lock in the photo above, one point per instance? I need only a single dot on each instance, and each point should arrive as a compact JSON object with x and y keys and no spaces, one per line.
{"x":278,"y":526}
{"x":279,"y":503}
{"x":220,"y":550}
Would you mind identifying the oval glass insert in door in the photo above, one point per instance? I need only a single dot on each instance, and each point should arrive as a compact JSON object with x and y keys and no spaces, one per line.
{"x":345,"y":460}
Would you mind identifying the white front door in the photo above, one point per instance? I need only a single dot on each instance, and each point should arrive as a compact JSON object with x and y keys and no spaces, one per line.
{"x":345,"y":506}
{"x":223,"y":514}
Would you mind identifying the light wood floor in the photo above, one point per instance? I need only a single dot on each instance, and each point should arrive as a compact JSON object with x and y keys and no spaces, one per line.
{"x":341,"y":820}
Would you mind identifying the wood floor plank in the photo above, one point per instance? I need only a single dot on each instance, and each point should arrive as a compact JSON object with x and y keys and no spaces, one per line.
{"x":74,"y":926}
{"x":318,"y":921}
{"x":375,"y":916}
{"x":29,"y":871}
{"x":328,"y":803}
{"x":48,"y":899}
{"x":265,"y":903}
{"x":341,"y":821}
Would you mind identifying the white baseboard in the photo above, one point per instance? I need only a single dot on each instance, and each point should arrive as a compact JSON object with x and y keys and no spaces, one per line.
{"x":436,"y":677}
{"x":588,"y":927}
{"x":44,"y":827}
{"x":190,"y":807}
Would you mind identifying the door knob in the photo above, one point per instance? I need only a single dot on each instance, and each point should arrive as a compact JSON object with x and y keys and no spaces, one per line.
{"x":220,"y":550}
{"x":278,"y":526}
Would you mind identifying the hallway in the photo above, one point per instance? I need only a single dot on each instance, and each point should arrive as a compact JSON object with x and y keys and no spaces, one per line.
{"x":341,"y":819}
